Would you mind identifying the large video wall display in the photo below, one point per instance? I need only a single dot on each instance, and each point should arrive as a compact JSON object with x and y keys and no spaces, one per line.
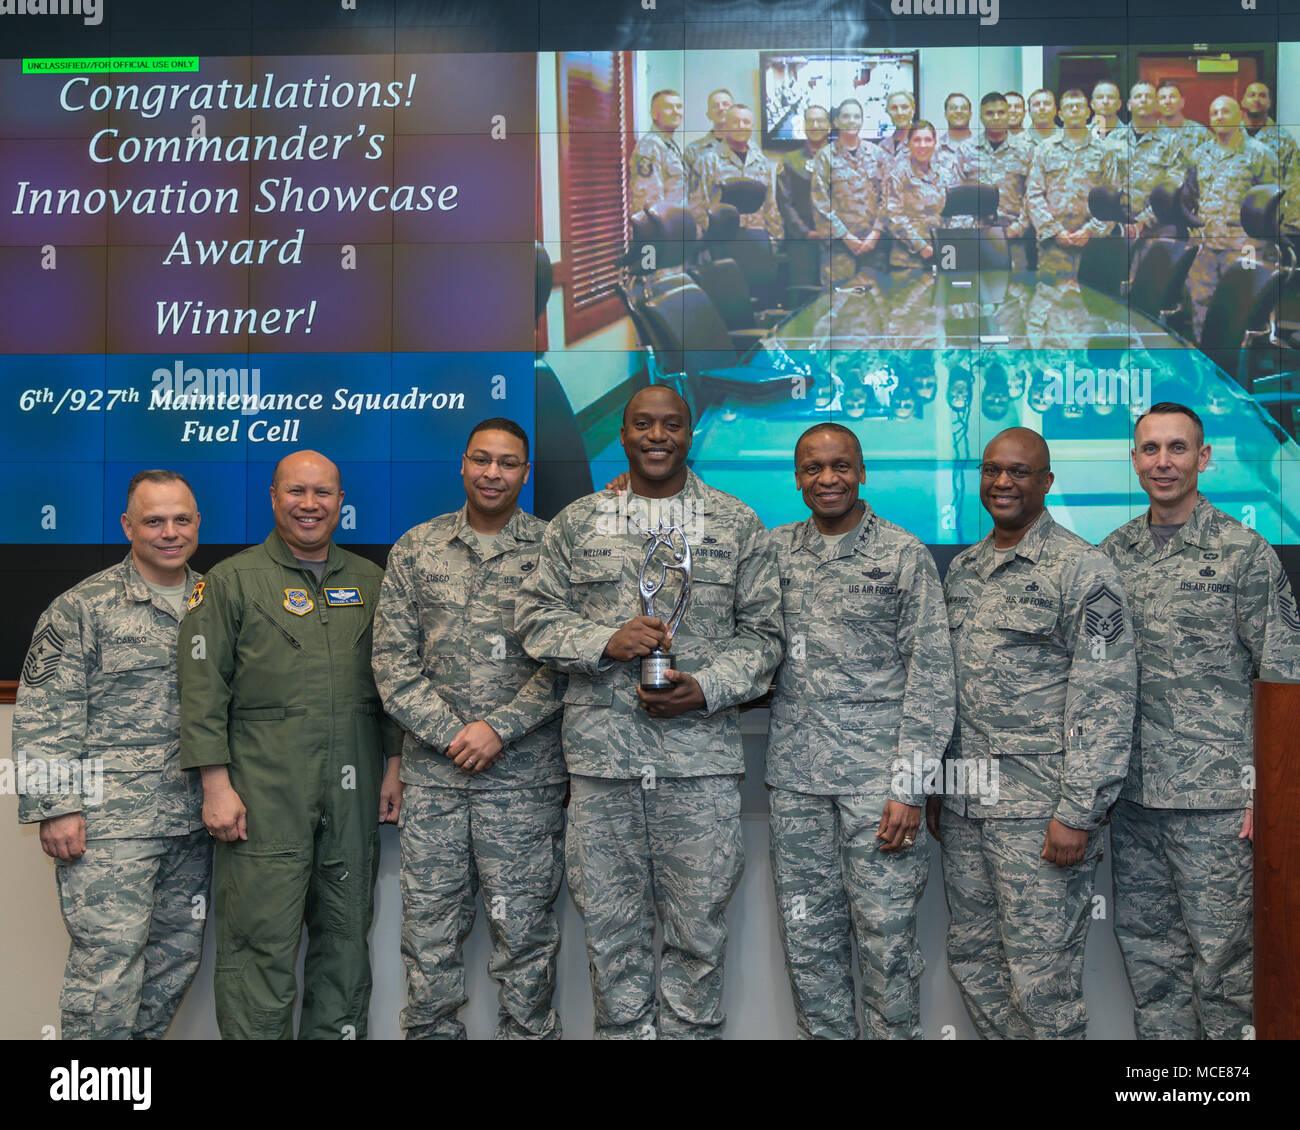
{"x":364,"y":229}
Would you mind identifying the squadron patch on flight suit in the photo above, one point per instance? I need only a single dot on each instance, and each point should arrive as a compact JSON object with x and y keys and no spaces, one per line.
{"x":298,"y":602}
{"x":43,"y":658}
{"x":1102,"y":614}
{"x":196,"y":596}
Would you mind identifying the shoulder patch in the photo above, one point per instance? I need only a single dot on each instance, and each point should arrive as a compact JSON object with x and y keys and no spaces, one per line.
{"x":298,"y":602}
{"x":645,"y":166}
{"x":195,"y":597}
{"x":1286,"y":605}
{"x":1103,"y":614}
{"x":44,"y":656}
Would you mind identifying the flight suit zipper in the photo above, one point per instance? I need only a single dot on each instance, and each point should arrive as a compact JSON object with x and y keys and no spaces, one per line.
{"x":276,"y":624}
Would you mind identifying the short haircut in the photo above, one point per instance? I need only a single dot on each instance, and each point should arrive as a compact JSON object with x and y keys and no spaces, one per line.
{"x":992,"y":96}
{"x":690,"y":423}
{"x":840,"y":108}
{"x":155,"y":475}
{"x":1168,"y":82}
{"x":1042,"y":90}
{"x":1104,"y":82}
{"x":1073,"y":92}
{"x":660,"y":93}
{"x":1036,"y":437}
{"x":809,"y":109}
{"x":500,"y":424}
{"x":1141,"y":82}
{"x":903,"y":94}
{"x":1169,"y":407}
{"x":921,"y":124}
{"x":1015,"y":94}
{"x":838,"y":429}
{"x":739,"y":106}
{"x":955,"y":94}
{"x":720,"y":90}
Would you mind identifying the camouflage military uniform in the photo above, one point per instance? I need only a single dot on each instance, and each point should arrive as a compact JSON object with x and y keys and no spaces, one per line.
{"x":1145,"y":161}
{"x":957,"y":155}
{"x":657,"y":171}
{"x":863,"y":698}
{"x":1212,"y":610}
{"x":1006,"y":166}
{"x":654,"y":818}
{"x":1062,"y":174}
{"x":1220,"y":177}
{"x":1033,"y":139}
{"x":98,"y":694}
{"x":696,"y":149}
{"x":1278,"y":141}
{"x":1046,"y":676}
{"x":914,"y":199}
{"x":848,"y":198}
{"x":895,"y":143}
{"x":798,"y":221}
{"x":1187,"y":138}
{"x":446,"y":654}
{"x":719,"y":165}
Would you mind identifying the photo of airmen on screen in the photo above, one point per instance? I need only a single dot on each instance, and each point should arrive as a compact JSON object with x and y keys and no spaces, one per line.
{"x":949,"y":242}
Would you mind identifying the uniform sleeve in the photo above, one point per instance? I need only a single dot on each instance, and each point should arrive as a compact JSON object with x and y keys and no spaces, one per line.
{"x":205,"y":668}
{"x":772,"y":214}
{"x":901,"y":222}
{"x":538,"y":701}
{"x":742,"y":669}
{"x":1101,"y":698}
{"x":396,"y":655}
{"x":821,"y":194}
{"x":791,"y":221}
{"x":51,"y":712}
{"x":645,"y":182}
{"x":551,"y":630}
{"x":1268,"y":624}
{"x":700,"y":190}
{"x":930,"y":693}
{"x":1040,"y":213}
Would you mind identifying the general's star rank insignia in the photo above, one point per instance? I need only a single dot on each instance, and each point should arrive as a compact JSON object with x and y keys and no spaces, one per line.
{"x":196,"y":596}
{"x":43,"y":658}
{"x":298,"y":602}
{"x":1103,"y":614}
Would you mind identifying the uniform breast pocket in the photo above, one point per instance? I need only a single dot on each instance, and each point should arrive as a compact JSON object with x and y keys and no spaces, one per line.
{"x":792,"y":605}
{"x":711,"y":612}
{"x":139,"y":693}
{"x":596,"y":584}
{"x":1027,"y":625}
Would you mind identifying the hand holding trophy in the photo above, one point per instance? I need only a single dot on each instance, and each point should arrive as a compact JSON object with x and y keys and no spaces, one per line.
{"x":662,"y":553}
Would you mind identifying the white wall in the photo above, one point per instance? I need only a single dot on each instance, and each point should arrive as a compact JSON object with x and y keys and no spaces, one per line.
{"x":758,"y":1000}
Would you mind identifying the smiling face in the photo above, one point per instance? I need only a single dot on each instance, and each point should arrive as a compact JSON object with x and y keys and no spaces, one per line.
{"x":849,"y":120}
{"x":828,"y":472}
{"x":666,"y":110}
{"x":740,"y":127}
{"x":656,"y":435}
{"x":816,"y":125}
{"x":920,"y":144}
{"x":901,"y":109}
{"x":957,"y":111}
{"x":1015,"y":111}
{"x":162,"y":524}
{"x":493,"y":469}
{"x":1015,"y":503}
{"x":1168,"y":456}
{"x":306,"y":500}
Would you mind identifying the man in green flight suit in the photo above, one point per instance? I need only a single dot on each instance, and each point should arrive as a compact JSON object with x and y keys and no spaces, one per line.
{"x":279,"y":711}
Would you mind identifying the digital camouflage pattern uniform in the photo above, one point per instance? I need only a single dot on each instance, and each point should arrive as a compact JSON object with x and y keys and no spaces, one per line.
{"x":1046,"y":689}
{"x":275,"y":684}
{"x":957,"y":155}
{"x":654,"y":816}
{"x":1145,"y":161}
{"x":446,"y":654}
{"x":1218,"y":180}
{"x":657,"y":171}
{"x":719,"y":165}
{"x":1187,"y":138}
{"x":866,"y":683}
{"x":1006,"y":166}
{"x":1061,"y":175}
{"x":1212,"y":611}
{"x":99,"y":686}
{"x":1031,"y":138}
{"x":848,"y":198}
{"x":914,"y":199}
{"x":1278,"y":141}
{"x":696,"y":149}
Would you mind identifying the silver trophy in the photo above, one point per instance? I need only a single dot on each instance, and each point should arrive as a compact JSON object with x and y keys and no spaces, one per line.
{"x":675,"y":560}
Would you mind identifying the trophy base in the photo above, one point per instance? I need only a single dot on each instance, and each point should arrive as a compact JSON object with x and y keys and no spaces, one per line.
{"x":653,"y":667}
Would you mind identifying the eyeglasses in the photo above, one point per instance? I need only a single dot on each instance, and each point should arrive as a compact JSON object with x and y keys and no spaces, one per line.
{"x":508,"y":463}
{"x":1018,"y":473}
